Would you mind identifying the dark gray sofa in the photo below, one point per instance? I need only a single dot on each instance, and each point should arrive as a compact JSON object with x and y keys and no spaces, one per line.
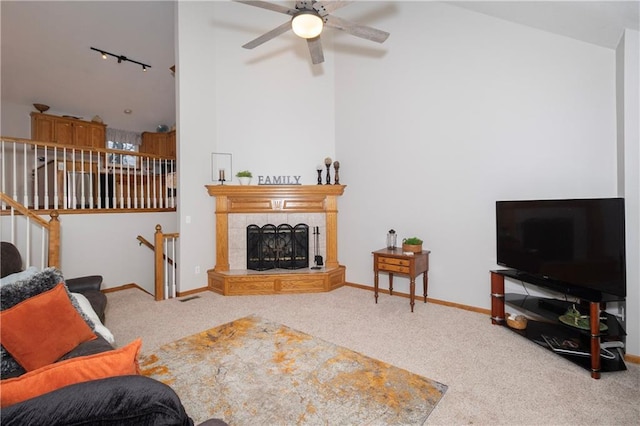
{"x":121,"y":400}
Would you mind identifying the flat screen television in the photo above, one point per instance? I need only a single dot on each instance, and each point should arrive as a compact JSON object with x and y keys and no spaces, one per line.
{"x":576,"y":246}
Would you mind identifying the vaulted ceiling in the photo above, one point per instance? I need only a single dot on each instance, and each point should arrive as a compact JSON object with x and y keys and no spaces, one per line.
{"x":46,"y":58}
{"x":46,"y":55}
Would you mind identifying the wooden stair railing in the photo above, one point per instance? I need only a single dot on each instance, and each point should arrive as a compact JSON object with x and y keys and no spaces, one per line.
{"x":52,"y":227}
{"x":160,"y":261}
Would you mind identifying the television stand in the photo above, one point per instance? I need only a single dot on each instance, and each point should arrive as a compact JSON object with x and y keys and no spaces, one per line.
{"x":549,"y":310}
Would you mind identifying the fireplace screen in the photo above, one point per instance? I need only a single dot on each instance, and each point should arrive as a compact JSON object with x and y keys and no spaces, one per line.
{"x":283,"y":246}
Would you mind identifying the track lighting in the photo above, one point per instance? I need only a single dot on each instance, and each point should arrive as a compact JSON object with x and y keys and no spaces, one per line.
{"x":120,"y":58}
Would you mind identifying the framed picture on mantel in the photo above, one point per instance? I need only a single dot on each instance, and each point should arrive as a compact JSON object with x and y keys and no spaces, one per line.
{"x":221,"y":167}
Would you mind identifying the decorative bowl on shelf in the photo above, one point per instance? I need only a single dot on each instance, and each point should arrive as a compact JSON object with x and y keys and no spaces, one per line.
{"x":519,"y":322}
{"x":574,"y":318}
{"x":41,"y":107}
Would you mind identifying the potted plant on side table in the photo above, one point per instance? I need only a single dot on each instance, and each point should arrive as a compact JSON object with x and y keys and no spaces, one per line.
{"x":412,"y":245}
{"x":244,"y":176}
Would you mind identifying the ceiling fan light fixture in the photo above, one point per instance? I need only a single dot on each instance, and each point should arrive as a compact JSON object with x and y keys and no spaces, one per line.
{"x":307,"y":24}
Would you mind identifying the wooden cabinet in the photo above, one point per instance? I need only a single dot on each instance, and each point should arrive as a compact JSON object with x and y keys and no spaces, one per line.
{"x":159,"y":143}
{"x":67,"y":131}
{"x":43,"y":127}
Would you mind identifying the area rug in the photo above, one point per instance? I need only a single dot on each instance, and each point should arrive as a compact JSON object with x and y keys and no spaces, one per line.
{"x":256,"y":372}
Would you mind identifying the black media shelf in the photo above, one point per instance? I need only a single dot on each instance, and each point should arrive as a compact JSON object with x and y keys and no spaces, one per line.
{"x":551,"y":309}
{"x":535,"y":330}
{"x":546,"y":322}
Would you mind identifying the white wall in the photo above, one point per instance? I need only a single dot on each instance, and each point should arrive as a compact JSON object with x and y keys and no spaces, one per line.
{"x":107,"y":245}
{"x":628,"y":55}
{"x":462,"y":111}
{"x":267,"y":108}
{"x":15,"y":120}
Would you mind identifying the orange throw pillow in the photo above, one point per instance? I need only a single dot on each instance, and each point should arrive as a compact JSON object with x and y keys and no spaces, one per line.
{"x":39,"y":330}
{"x":118,"y":362}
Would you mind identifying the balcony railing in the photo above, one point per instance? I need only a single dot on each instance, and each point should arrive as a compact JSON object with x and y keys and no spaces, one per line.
{"x":50,"y":176}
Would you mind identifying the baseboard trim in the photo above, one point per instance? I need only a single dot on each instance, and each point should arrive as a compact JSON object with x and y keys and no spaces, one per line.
{"x":124,"y":287}
{"x":133,"y":285}
{"x":429,"y":299}
{"x":634,"y":359}
{"x":190,"y":292}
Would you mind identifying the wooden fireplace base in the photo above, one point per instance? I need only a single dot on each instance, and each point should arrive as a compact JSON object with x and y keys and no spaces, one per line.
{"x":277,"y":281}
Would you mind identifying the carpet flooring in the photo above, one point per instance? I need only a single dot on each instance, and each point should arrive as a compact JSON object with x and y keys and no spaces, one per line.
{"x":255,"y":371}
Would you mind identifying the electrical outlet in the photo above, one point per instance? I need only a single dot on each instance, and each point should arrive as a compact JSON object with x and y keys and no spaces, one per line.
{"x":60,"y":166}
{"x":197,"y":269}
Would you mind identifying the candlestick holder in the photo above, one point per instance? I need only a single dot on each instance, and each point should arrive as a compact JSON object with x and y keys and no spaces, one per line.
{"x":327,"y":163}
{"x":222,"y":181}
{"x":319,"y":170}
{"x":336,"y":176}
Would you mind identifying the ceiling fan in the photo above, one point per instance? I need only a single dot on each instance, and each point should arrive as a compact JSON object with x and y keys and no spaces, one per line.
{"x":308,"y":20}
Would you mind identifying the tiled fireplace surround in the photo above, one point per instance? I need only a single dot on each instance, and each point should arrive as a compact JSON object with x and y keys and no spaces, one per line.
{"x":240,"y":206}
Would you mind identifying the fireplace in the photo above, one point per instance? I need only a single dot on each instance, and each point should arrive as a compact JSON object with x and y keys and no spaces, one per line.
{"x":283,"y":246}
{"x":237,"y":206}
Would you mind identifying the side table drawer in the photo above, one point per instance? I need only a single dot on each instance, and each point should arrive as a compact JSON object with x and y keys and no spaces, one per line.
{"x":393,"y":261}
{"x":393,"y":268}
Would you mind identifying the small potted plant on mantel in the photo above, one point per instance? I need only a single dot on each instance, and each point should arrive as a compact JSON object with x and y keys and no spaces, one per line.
{"x":412,"y":245}
{"x":244,"y":176}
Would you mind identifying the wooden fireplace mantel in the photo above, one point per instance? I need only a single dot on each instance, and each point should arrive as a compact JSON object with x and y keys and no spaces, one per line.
{"x":232,"y":199}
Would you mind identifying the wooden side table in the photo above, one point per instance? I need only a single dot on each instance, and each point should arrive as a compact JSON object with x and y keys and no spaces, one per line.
{"x":397,"y":262}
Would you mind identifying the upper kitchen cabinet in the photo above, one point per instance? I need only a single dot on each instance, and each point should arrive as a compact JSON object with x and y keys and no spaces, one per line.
{"x":159,"y":143}
{"x":67,"y":131}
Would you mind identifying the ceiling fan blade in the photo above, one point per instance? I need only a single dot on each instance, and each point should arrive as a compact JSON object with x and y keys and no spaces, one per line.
{"x":326,"y":7}
{"x":357,"y":30}
{"x":268,"y":36}
{"x":268,"y":6}
{"x":315,"y":49}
